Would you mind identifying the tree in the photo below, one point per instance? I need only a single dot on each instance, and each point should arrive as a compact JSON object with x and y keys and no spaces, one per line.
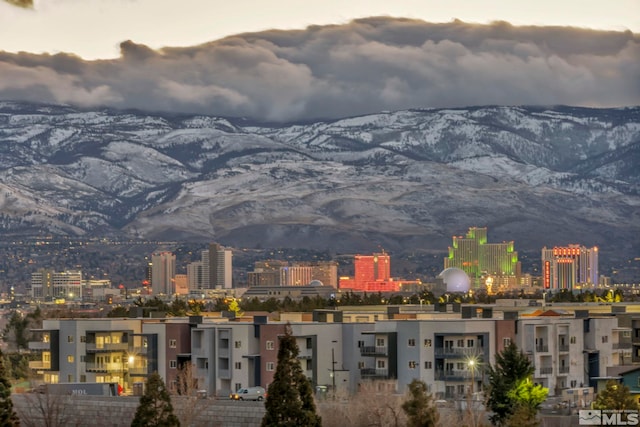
{"x":419,"y":407}
{"x":527,"y":397}
{"x":510,"y":368}
{"x":155,"y":407}
{"x":8,"y":416}
{"x":615,"y":396}
{"x":290,"y":397}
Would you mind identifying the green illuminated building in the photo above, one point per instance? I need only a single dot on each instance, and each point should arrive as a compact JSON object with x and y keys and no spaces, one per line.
{"x":478,"y":259}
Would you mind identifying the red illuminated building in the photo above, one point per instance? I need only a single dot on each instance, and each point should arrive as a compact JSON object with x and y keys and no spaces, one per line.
{"x":372,"y":273}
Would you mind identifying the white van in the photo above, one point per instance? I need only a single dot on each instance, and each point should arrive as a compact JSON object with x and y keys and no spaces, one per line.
{"x":249,"y":393}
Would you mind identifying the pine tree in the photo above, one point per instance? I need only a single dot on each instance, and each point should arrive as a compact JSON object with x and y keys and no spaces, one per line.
{"x":290,"y":397}
{"x":511,"y":367}
{"x":155,"y":407}
{"x":419,"y":407}
{"x":8,"y":416}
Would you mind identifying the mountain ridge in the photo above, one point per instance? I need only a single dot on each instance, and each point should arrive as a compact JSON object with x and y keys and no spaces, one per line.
{"x":400,"y":179}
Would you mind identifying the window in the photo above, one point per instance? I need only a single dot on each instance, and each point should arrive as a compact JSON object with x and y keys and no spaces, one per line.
{"x":238,"y":344}
{"x":69,"y":378}
{"x":381,"y":364}
{"x":270,"y":366}
{"x":460,"y":343}
{"x":506,"y":342}
{"x":574,"y":383}
{"x":360,"y":344}
{"x":573,"y":340}
{"x":361,"y":366}
{"x":309,"y":364}
{"x":238,"y":365}
{"x":69,"y":338}
{"x":626,"y":334}
{"x":309,"y":343}
{"x":413,"y":364}
{"x":412,"y":342}
{"x":380,"y":342}
{"x":461,"y":389}
{"x":70,"y":359}
{"x":238,"y":386}
{"x":173,"y":364}
{"x":460,"y":366}
{"x":83,"y":378}
{"x":83,"y":359}
{"x":605,"y":339}
{"x":427,"y":343}
{"x":427,"y":364}
{"x":172,"y":344}
{"x":470,"y":343}
{"x":270,"y":345}
{"x":83,"y":338}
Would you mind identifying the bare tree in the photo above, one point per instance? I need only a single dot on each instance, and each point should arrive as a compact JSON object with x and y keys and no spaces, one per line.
{"x":190,"y":401}
{"x":45,"y":410}
{"x":375,"y":404}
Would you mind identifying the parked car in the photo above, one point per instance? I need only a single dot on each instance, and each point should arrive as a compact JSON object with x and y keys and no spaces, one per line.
{"x":249,"y":393}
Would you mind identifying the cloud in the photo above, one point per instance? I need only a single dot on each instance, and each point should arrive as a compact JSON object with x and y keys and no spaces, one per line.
{"x":367,"y":65}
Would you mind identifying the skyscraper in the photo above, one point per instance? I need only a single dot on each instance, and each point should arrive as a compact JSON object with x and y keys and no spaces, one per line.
{"x":472,"y":254}
{"x":567,"y":266}
{"x":163,"y":270}
{"x":220,"y":264}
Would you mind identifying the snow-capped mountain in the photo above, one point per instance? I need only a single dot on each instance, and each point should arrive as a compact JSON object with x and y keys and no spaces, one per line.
{"x":405,"y":179}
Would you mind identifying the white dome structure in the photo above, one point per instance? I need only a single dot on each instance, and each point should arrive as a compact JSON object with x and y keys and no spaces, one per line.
{"x":456,"y":280}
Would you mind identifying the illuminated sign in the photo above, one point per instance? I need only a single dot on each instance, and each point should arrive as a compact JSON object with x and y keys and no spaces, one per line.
{"x":547,"y":274}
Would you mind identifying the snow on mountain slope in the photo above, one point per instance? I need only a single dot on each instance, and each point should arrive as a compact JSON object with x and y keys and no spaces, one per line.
{"x":402,"y":179}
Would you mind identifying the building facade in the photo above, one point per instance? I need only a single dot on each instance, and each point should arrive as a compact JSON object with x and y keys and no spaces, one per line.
{"x":163,"y":270}
{"x":568,"y":267}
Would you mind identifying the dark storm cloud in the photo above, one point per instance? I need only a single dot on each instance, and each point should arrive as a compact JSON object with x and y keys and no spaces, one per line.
{"x":365,"y":66}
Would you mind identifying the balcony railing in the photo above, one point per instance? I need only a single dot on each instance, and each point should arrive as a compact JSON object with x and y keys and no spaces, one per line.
{"x":138,"y":371}
{"x":563,"y":369}
{"x":39,"y":345}
{"x":374,"y":373}
{"x":39,"y":364}
{"x":563,"y":347}
{"x":373,"y":351}
{"x":93,"y":347}
{"x":545,"y":371}
{"x":622,"y":346}
{"x":458,"y":352}
{"x":453,"y":375}
{"x":542,"y":348}
{"x":104,"y":367}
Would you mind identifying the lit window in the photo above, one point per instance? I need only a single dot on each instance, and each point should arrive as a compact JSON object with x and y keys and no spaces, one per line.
{"x":172,"y":343}
{"x":173,"y":364}
{"x":70,"y":359}
{"x":238,"y":344}
{"x":270,"y":345}
{"x":413,"y":364}
{"x":427,"y":343}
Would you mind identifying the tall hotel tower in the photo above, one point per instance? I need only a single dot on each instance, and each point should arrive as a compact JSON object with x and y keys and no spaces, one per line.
{"x":163,"y":270}
{"x":472,"y":254}
{"x":567,"y":266}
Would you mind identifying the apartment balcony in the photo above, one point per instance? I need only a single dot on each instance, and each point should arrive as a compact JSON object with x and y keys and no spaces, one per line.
{"x":458,"y":352}
{"x":138,"y":372}
{"x":374,"y":351}
{"x":224,"y":374}
{"x":39,"y":346}
{"x":563,"y":348}
{"x":40,"y":365}
{"x":453,"y":375}
{"x":542,"y":349}
{"x":105,"y":348}
{"x":104,"y":367}
{"x":544,"y":371}
{"x":374,"y":373}
{"x":223,"y":352}
{"x":622,"y":346}
{"x":563,"y":370}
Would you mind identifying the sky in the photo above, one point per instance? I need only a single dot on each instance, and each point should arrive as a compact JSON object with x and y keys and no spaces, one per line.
{"x":290,"y":60}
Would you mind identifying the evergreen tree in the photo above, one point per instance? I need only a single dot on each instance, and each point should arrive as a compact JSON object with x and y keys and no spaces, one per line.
{"x":290,"y":397}
{"x":419,"y":407}
{"x":155,"y":407}
{"x":8,"y":416}
{"x":511,"y":367}
{"x":615,"y":396}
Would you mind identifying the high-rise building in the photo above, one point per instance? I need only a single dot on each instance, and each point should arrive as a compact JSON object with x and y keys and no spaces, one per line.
{"x":372,"y":273}
{"x":194,"y":275}
{"x":472,"y":254}
{"x":47,"y":284}
{"x":220,"y":267}
{"x":567,"y":266}
{"x":163,"y":271}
